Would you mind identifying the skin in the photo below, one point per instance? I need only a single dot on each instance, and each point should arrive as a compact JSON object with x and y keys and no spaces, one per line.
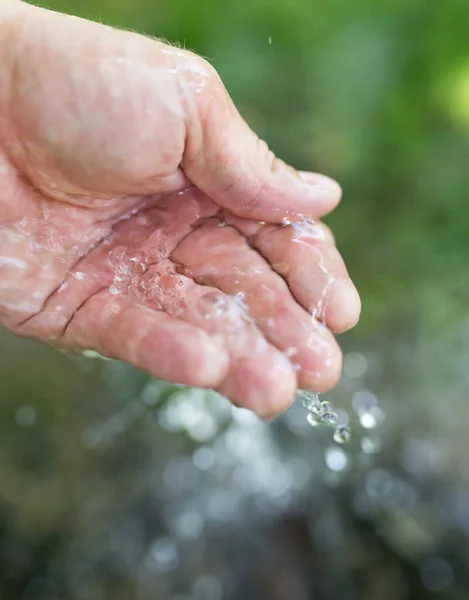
{"x":140,"y":217}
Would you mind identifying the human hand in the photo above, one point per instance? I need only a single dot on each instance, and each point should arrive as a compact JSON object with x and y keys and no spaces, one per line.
{"x":140,"y":217}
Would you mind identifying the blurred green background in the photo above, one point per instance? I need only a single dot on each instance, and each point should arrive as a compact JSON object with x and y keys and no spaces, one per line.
{"x":375,"y":94}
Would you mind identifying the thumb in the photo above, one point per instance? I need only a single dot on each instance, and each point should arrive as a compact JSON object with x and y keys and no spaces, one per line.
{"x":226,"y":160}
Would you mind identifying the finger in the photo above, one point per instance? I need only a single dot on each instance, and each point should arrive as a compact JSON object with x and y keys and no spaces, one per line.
{"x":219,"y":257}
{"x":305,"y":256}
{"x":147,"y":237}
{"x":226,"y":160}
{"x":259,"y":377}
{"x":164,"y":346}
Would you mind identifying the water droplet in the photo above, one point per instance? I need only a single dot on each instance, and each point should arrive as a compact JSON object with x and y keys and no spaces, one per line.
{"x":117,"y":255}
{"x":149,"y":282}
{"x":240,"y":301}
{"x":157,"y":253}
{"x":213,"y":305}
{"x":118,"y":288}
{"x":325,"y":407}
{"x":313,"y":420}
{"x":310,"y":400}
{"x":329,"y":418}
{"x":342,"y":434}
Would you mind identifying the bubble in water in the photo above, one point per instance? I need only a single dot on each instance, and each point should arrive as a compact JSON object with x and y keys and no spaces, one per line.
{"x":127,"y":267}
{"x":149,"y":282}
{"x":137,"y":265}
{"x":342,"y":434}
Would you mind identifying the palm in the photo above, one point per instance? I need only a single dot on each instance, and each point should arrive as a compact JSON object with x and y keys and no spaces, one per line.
{"x":101,"y":248}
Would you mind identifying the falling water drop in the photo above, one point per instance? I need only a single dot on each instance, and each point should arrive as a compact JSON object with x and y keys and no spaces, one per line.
{"x":313,"y":420}
{"x":310,"y":400}
{"x":342,"y":434}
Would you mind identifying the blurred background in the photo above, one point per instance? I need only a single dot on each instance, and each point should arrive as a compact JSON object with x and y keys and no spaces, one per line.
{"x":114,"y":486}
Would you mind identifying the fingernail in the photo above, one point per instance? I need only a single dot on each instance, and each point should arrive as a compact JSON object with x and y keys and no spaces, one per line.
{"x":321,"y":182}
{"x":343,"y":307}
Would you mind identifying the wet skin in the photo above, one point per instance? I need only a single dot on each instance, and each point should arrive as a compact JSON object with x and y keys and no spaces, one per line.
{"x":140,"y":217}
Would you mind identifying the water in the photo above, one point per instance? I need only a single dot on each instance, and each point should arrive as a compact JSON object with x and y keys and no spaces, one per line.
{"x":343,"y":434}
{"x":149,"y":277}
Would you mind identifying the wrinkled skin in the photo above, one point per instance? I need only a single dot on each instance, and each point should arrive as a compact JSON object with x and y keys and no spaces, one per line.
{"x":140,"y":217}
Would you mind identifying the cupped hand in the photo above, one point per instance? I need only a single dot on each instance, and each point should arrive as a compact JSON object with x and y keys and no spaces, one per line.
{"x":140,"y":217}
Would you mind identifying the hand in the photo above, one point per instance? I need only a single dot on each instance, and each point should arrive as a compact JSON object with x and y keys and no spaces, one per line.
{"x":140,"y":217}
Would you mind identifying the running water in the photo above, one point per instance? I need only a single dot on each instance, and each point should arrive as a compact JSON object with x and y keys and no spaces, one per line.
{"x":148,"y":275}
